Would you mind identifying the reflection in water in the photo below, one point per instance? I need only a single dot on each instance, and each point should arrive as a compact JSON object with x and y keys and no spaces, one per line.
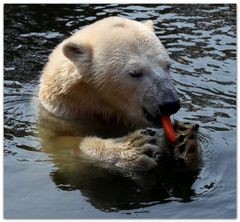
{"x":105,"y":188}
{"x":201,"y":41}
{"x":97,"y":185}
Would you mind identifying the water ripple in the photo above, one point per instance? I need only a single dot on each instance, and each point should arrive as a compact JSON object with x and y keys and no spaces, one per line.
{"x":201,"y":41}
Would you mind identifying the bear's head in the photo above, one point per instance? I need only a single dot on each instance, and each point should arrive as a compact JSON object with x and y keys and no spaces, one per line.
{"x":127,"y":66}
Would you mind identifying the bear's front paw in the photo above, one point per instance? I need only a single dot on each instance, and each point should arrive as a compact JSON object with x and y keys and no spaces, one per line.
{"x":143,"y":149}
{"x":148,"y":158}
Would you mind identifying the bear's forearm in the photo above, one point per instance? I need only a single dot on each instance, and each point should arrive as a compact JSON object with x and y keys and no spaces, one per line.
{"x":103,"y":150}
{"x":129,"y":154}
{"x":117,"y":152}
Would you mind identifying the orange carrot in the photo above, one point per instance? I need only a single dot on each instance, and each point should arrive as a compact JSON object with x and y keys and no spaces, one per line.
{"x":168,"y":129}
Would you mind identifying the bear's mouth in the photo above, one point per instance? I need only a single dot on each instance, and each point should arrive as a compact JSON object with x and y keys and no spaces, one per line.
{"x":153,"y":119}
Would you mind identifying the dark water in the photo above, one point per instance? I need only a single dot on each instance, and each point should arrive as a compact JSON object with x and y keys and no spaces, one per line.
{"x":200,"y":39}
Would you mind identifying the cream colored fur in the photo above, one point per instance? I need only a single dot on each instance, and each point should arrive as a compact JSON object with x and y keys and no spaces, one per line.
{"x":96,"y":82}
{"x":88,"y":75}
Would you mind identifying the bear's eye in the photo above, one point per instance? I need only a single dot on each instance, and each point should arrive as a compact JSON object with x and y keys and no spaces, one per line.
{"x":135,"y":74}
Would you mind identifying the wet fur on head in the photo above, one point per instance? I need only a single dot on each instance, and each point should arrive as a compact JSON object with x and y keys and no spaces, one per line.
{"x":90,"y":73}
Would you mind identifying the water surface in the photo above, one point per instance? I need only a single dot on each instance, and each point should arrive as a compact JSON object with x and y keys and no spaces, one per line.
{"x":44,"y":181}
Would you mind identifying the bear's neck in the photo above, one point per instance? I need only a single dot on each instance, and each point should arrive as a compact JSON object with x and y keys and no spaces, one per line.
{"x":75,"y":101}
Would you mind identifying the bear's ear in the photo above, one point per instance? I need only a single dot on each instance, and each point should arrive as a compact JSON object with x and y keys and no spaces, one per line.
{"x":149,"y":25}
{"x":77,"y":53}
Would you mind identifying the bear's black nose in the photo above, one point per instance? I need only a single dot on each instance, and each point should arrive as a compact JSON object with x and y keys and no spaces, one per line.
{"x":170,"y":108}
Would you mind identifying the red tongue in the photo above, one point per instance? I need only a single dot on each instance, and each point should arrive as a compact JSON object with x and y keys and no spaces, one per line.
{"x":168,"y":129}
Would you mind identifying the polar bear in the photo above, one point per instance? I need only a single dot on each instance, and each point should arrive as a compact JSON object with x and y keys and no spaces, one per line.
{"x":115,"y":69}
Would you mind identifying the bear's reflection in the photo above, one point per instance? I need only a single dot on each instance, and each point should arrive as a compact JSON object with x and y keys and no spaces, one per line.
{"x":104,"y":187}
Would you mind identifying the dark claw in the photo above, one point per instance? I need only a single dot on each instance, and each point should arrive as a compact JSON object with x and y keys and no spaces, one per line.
{"x":196,"y":126}
{"x":148,"y":132}
{"x":157,"y":157}
{"x":181,"y":138}
{"x":148,"y":152}
{"x":152,"y":141}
